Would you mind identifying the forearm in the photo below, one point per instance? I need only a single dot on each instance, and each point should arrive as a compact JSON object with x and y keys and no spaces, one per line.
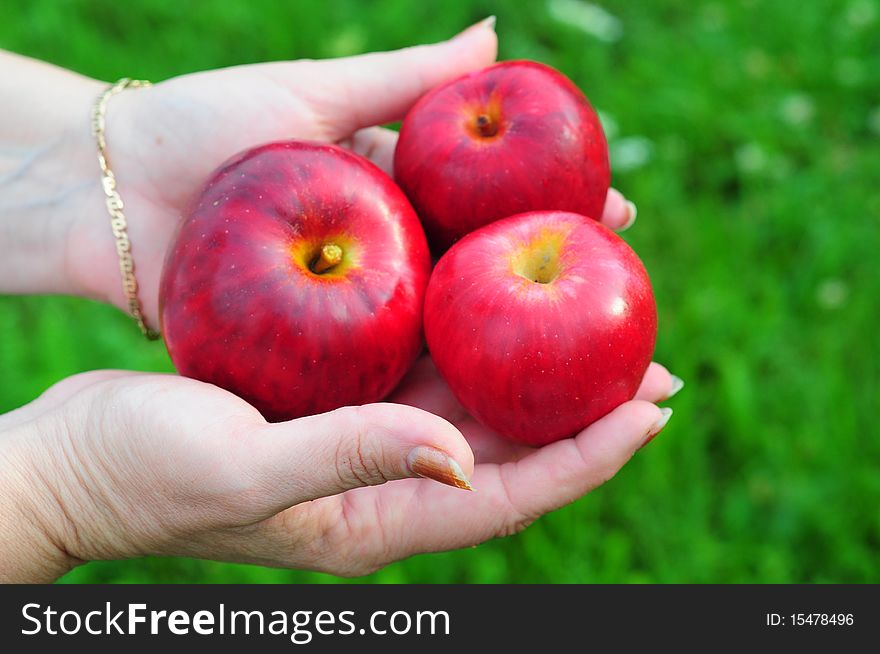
{"x":49,"y":181}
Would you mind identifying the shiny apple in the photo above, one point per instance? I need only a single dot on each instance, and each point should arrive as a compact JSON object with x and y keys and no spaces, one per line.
{"x":541,"y":323}
{"x":517,"y":136}
{"x":297,"y":282}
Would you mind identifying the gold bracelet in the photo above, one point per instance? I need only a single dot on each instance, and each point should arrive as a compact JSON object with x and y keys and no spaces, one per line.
{"x":115,"y":206}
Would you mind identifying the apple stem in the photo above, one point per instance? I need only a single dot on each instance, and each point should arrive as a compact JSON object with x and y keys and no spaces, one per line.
{"x":486,"y":126}
{"x":329,"y":256}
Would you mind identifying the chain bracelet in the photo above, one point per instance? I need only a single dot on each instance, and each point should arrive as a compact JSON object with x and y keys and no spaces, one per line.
{"x":115,"y":206}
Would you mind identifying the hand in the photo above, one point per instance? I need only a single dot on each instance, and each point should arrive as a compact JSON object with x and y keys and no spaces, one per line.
{"x":164,"y":141}
{"x":112,"y":464}
{"x":118,"y":464}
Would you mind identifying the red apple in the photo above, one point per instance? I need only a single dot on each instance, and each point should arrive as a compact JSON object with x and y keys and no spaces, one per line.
{"x":541,"y":323}
{"x":297,"y":282}
{"x":517,"y":136}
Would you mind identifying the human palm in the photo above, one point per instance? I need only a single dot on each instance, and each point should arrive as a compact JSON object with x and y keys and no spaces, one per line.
{"x":164,"y":141}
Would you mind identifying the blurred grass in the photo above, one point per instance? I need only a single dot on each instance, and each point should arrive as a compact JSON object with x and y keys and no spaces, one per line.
{"x":749,"y":135}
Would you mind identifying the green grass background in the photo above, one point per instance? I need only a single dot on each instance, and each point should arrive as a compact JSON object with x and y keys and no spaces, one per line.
{"x":749,"y":135}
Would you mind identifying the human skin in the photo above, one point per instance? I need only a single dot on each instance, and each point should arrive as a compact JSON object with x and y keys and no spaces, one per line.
{"x":113,"y":464}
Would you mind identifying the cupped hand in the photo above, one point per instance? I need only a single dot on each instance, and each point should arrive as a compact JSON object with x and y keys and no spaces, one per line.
{"x":113,"y":464}
{"x":165,"y":140}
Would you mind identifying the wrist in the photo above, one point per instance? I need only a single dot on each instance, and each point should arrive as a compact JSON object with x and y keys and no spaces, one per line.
{"x":116,"y":207}
{"x":32,"y":518}
{"x":94,"y":257}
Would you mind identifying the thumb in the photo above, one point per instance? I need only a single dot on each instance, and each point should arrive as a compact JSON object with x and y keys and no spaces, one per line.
{"x":378,"y":88}
{"x":326,"y":454}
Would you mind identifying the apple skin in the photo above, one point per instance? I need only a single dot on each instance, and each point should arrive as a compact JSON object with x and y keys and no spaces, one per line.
{"x":241,"y":308}
{"x":548,"y":150}
{"x":538,"y":362}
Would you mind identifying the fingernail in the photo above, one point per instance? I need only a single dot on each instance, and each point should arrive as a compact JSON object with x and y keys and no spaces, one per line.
{"x":677,"y":385}
{"x":487,"y":23}
{"x":633,"y":211}
{"x":431,"y":463}
{"x":657,"y":427}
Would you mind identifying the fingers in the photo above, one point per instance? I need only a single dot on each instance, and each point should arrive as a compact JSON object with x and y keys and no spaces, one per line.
{"x":361,"y":531}
{"x":658,"y":384}
{"x":508,"y":497}
{"x":376,"y":144}
{"x":373,"y":89}
{"x":563,"y":471}
{"x":424,"y":388}
{"x":619,"y":213}
{"x":352,"y":447}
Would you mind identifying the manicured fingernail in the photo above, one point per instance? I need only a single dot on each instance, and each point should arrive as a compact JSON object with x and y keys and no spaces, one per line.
{"x":431,"y":463}
{"x":657,"y":427}
{"x":677,"y":385}
{"x":632,"y":211}
{"x":487,"y":23}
